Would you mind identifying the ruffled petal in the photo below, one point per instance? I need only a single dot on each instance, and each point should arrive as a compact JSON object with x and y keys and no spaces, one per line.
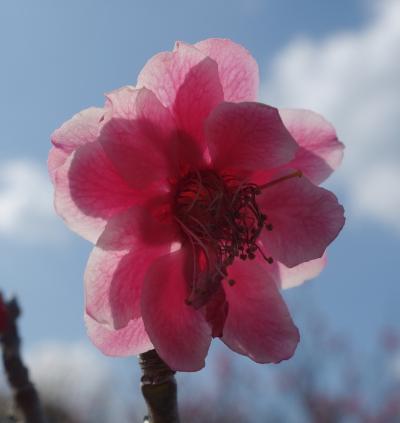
{"x":248,"y":136}
{"x":148,"y":224}
{"x":116,"y":269}
{"x":89,"y":190}
{"x":113,"y":283}
{"x":290,"y":277}
{"x":258,"y":323}
{"x":238,"y":71}
{"x":320,"y":151}
{"x":130,"y":340}
{"x":137,"y":137}
{"x":187,"y":82}
{"x":80,"y":129}
{"x":179,"y":333}
{"x":305,"y":219}
{"x":57,"y":158}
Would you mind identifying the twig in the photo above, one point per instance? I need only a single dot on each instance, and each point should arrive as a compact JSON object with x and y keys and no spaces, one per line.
{"x":159,"y":389}
{"x":26,"y":399}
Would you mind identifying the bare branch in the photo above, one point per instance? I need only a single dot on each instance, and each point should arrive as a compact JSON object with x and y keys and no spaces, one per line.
{"x":27,"y":403}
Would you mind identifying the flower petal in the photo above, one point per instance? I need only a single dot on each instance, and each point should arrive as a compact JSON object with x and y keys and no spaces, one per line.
{"x":238,"y":71}
{"x":320,"y":151}
{"x":116,"y":269}
{"x":248,"y":136}
{"x":131,"y":340}
{"x":187,"y":82}
{"x":216,"y":311}
{"x":258,"y":323}
{"x":113,"y":283}
{"x":79,"y":130}
{"x":147,"y":224}
{"x":137,"y":137}
{"x":179,"y":333}
{"x":305,"y":220}
{"x":88,"y":191}
{"x":57,"y":158}
{"x":295,"y":276}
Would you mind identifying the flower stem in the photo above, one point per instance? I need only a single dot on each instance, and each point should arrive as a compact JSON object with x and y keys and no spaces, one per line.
{"x":26,"y":399}
{"x":159,"y":389}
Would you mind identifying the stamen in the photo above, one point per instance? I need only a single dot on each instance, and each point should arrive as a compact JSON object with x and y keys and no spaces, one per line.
{"x":220,"y":216}
{"x":269,"y":260}
{"x":297,"y":173}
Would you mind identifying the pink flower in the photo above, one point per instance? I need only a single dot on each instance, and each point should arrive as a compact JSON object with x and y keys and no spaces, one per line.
{"x":201,"y":203}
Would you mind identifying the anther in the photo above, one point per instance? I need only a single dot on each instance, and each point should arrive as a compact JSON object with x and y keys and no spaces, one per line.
{"x":221,"y":219}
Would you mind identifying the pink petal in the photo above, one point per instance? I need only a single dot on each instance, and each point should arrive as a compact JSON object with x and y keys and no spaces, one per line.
{"x":238,"y":71}
{"x":121,"y":103}
{"x":305,"y":220}
{"x":248,"y":136}
{"x":295,"y":276}
{"x":114,"y":279}
{"x":80,"y":129}
{"x":137,"y":137}
{"x":88,"y":191}
{"x":131,"y":340}
{"x":258,"y":323}
{"x":147,"y":224}
{"x":57,"y":158}
{"x":320,"y":151}
{"x":187,"y":82}
{"x":178,"y":332}
{"x":216,"y":312}
{"x":113,"y":283}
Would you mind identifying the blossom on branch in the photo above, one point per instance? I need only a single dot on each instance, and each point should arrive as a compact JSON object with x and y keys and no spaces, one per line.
{"x":201,"y":203}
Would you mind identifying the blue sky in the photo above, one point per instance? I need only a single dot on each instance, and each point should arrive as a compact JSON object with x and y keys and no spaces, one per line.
{"x":339,"y":58}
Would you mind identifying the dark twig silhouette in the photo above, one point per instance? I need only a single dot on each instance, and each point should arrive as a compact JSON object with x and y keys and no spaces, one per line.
{"x":27,"y":404}
{"x":159,"y":389}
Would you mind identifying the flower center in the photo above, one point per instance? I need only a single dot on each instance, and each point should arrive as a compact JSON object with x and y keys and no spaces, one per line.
{"x":220,"y":217}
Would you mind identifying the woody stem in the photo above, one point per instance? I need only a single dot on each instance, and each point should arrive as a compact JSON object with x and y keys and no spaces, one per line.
{"x":25,"y":396}
{"x":159,"y":389}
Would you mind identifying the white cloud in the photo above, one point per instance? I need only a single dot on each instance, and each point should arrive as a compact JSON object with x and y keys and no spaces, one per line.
{"x":26,"y":203}
{"x":71,"y":375}
{"x":353,"y":78}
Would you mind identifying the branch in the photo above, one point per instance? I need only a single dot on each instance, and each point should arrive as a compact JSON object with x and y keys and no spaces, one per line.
{"x":25,"y":396}
{"x":159,"y":389}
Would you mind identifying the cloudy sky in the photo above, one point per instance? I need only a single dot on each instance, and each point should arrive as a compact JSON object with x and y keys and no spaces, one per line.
{"x":339,"y":58}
